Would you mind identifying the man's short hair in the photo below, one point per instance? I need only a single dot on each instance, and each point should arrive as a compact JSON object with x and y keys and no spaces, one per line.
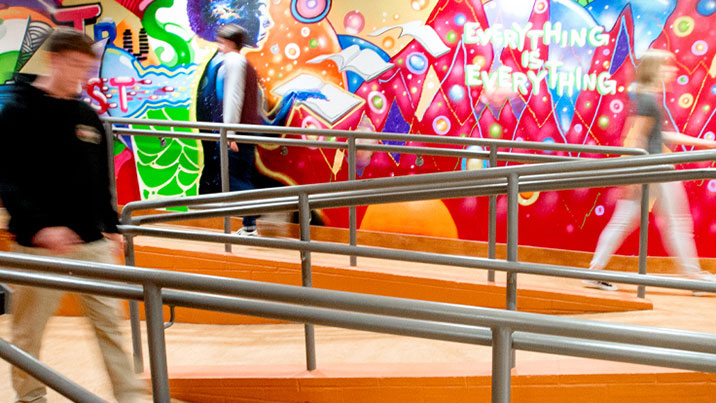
{"x":70,"y":40}
{"x":234,"y":33}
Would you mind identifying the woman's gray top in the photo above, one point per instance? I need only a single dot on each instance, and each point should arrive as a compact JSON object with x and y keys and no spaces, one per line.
{"x":646,"y":106}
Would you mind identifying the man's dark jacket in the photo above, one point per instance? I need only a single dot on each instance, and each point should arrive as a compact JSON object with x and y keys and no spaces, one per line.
{"x":53,"y":165}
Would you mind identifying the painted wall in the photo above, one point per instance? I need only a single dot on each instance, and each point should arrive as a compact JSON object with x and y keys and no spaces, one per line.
{"x":533,"y":70}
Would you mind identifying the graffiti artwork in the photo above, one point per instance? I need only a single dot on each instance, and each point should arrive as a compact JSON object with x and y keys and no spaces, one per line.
{"x":524,"y":70}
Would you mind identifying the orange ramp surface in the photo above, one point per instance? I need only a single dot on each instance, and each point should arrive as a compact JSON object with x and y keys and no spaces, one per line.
{"x":398,"y":279}
{"x":372,"y":276}
{"x":582,"y":380}
{"x":263,"y":363}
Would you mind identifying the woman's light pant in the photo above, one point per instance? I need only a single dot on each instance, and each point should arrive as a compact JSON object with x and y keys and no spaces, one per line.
{"x":678,"y":235}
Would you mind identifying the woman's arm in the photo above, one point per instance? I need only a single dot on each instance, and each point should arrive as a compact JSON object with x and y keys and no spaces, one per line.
{"x":680,"y":138}
{"x":636,"y":131}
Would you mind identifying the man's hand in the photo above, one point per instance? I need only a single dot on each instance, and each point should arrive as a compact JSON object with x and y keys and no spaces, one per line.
{"x":234,"y":146}
{"x":59,"y":240}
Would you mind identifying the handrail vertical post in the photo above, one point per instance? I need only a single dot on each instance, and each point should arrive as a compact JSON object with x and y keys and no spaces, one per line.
{"x":492,"y":220}
{"x":501,"y":369}
{"x":134,"y":311}
{"x":224,"y":160}
{"x":643,"y":236}
{"x":512,"y":239}
{"x":109,"y":138}
{"x":512,"y":243}
{"x":352,"y":216}
{"x":304,"y":218}
{"x":157,"y":344}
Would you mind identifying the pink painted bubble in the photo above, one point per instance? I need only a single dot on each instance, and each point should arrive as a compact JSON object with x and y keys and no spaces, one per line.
{"x":354,"y":22}
{"x":310,"y":11}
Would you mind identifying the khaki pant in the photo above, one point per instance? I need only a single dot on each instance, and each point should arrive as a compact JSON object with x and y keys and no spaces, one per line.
{"x":32,"y":308}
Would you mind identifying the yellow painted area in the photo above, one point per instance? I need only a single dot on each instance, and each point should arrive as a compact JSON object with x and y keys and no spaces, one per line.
{"x":712,"y":70}
{"x":431,"y":86}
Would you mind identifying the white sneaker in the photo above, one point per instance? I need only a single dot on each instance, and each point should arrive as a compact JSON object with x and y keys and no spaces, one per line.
{"x":602,"y":285}
{"x":247,"y":231}
{"x":705,"y":276}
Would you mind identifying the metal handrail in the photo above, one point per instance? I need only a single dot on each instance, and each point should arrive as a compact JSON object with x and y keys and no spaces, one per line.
{"x":45,"y":374}
{"x":492,"y":154}
{"x":424,"y":257}
{"x":455,"y":177}
{"x":445,"y":152}
{"x":431,"y":178}
{"x":554,"y":172}
{"x":537,"y":332}
{"x":527,"y":183}
{"x":377,"y":304}
{"x":305,"y":195}
{"x":512,"y":173}
{"x":243,"y":128}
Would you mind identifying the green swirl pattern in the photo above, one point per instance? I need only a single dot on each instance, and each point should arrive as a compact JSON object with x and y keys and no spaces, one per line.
{"x":167,"y":167}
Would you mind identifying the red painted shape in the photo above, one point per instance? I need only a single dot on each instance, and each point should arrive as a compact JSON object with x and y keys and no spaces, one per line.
{"x":78,"y":15}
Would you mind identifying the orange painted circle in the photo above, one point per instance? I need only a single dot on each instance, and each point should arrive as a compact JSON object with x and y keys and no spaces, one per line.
{"x":427,"y":217}
{"x":527,"y":198}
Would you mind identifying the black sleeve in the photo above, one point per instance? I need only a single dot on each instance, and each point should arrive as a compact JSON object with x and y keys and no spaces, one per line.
{"x":29,"y":211}
{"x":105,"y":193}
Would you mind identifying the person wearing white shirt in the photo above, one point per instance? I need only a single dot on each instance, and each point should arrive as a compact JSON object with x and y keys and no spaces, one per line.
{"x":241,"y":100}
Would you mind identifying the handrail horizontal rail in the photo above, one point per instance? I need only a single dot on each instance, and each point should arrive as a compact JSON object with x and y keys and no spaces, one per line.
{"x":445,"y":152}
{"x":423,"y":257}
{"x":611,"y":351}
{"x":399,"y":194}
{"x":289,"y":302}
{"x":533,"y":183}
{"x":431,"y":178}
{"x":577,"y":175}
{"x":610,"y":150}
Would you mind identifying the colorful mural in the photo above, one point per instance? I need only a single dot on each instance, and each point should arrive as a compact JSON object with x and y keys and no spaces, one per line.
{"x":525,"y":70}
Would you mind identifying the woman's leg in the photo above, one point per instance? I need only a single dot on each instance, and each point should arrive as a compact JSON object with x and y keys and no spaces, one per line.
{"x":678,"y":236}
{"x":623,"y":222}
